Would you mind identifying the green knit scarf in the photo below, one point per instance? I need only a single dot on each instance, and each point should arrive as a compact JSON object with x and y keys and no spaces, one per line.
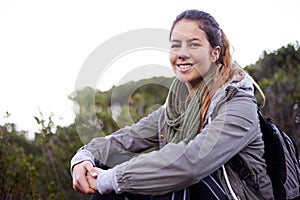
{"x":182,"y":114}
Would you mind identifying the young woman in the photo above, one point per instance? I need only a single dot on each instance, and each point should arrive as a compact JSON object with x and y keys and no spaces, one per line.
{"x":210,"y":116}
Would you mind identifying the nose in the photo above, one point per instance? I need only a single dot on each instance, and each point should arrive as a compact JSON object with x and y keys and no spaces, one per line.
{"x":183,"y":53}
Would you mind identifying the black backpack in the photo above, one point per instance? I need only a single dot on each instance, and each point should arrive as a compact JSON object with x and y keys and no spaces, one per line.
{"x":282,"y":159}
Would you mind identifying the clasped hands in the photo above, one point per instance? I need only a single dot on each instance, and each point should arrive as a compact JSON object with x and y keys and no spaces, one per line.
{"x":85,"y":177}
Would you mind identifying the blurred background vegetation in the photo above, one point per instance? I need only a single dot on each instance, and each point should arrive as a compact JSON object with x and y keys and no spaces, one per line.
{"x":40,"y":168}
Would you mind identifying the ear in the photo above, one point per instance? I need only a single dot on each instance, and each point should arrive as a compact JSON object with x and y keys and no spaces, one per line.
{"x":216,"y":53}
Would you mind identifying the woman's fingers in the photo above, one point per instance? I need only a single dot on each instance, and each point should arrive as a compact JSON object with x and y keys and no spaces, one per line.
{"x":94,"y":172}
{"x":80,"y":181}
{"x":92,"y":181}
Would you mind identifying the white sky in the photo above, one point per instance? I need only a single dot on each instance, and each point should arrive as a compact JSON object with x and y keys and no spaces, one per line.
{"x":43,"y":44}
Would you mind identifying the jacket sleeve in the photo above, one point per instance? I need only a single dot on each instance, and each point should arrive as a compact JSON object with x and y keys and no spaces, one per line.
{"x":119,"y":146}
{"x":176,"y":166}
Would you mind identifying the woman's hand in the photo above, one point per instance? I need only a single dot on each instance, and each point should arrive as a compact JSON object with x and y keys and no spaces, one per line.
{"x":80,"y":178}
{"x":92,"y":177}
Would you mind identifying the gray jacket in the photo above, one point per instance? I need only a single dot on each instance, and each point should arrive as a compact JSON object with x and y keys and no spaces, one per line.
{"x":232,"y":127}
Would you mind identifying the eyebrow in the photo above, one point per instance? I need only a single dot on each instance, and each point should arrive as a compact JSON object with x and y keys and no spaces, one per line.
{"x":190,"y":40}
{"x":175,"y":40}
{"x":194,"y":39}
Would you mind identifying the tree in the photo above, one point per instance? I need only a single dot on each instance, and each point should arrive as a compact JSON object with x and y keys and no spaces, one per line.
{"x":277,"y":73}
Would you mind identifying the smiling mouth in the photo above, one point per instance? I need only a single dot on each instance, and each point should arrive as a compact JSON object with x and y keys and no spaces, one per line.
{"x":185,"y":66}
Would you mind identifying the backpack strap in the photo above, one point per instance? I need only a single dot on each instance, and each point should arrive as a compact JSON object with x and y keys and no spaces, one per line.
{"x":244,"y":173}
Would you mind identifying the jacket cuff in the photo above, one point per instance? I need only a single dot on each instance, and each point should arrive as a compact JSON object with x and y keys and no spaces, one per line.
{"x":107,"y":182}
{"x":80,"y":156}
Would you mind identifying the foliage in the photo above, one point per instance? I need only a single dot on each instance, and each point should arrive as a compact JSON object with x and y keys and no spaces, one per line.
{"x":37,"y":169}
{"x":278,"y":75}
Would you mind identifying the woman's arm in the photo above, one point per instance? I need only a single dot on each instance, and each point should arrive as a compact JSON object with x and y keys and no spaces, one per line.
{"x":116,"y":148}
{"x":179,"y":165}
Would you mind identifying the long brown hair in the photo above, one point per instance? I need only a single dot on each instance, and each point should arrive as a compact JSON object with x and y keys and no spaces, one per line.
{"x":224,"y":69}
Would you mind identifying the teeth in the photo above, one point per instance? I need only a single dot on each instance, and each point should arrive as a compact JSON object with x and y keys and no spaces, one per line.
{"x":185,"y":66}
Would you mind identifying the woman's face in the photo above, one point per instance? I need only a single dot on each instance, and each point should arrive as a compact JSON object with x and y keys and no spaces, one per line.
{"x":191,"y":54}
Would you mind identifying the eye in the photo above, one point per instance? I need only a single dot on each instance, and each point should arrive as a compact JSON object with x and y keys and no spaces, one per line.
{"x":175,"y":46}
{"x":194,"y":44}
